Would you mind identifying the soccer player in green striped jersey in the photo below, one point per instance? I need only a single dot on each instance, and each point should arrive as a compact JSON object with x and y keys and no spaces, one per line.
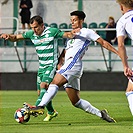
{"x":43,"y":39}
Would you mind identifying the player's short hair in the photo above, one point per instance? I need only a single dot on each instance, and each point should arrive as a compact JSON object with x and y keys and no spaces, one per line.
{"x":81,"y":15}
{"x":36,"y":18}
{"x":127,"y":3}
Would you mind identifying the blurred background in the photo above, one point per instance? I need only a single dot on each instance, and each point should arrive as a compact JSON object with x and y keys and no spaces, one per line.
{"x":20,"y":58}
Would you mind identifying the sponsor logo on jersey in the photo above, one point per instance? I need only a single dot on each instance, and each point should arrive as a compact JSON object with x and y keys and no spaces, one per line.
{"x":43,"y":40}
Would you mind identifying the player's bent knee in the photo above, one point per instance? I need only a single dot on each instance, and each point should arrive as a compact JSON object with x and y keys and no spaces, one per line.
{"x":44,"y":85}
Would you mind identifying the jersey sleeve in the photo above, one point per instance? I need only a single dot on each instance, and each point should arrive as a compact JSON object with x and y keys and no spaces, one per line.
{"x":58,"y":33}
{"x":120,"y":30}
{"x":28,"y":34}
{"x":92,"y":35}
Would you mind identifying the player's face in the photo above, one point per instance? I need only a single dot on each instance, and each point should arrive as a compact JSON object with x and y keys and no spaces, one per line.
{"x":76,"y":22}
{"x":38,"y":29}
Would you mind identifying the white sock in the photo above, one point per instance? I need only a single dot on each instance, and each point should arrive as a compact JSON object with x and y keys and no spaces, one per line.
{"x":48,"y":96}
{"x":130,"y":100}
{"x":87,"y":107}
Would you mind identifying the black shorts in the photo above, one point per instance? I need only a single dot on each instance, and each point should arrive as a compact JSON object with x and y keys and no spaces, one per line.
{"x":25,"y":17}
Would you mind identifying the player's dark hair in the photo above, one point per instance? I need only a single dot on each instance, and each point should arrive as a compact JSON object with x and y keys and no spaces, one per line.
{"x":37,"y":19}
{"x":81,"y":15}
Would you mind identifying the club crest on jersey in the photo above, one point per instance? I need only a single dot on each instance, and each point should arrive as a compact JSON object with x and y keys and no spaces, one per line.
{"x":71,"y":41}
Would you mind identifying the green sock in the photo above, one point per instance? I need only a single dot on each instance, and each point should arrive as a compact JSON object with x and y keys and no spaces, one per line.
{"x":49,"y":105}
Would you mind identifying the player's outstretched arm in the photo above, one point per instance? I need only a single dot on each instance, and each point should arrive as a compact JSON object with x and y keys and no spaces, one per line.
{"x":12,"y":37}
{"x":107,"y":45}
{"x":122,"y":52}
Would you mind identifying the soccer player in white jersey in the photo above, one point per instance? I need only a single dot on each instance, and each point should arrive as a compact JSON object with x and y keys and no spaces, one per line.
{"x":125,"y":28}
{"x":71,"y":71}
{"x":43,"y":40}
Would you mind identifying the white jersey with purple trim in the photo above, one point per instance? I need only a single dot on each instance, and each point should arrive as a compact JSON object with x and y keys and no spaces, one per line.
{"x":75,"y":50}
{"x":77,"y":46}
{"x":125,"y":25}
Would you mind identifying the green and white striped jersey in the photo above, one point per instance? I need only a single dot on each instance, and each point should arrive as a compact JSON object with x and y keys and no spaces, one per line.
{"x":46,"y":48}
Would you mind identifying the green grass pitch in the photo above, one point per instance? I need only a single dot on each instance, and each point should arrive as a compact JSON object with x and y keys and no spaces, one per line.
{"x":70,"y":119}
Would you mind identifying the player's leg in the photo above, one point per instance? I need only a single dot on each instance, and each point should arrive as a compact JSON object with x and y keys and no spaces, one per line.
{"x":72,"y":90}
{"x":60,"y":79}
{"x":129,"y":94}
{"x":42,"y":92}
{"x":76,"y":101}
{"x":51,"y":112}
{"x":81,"y":103}
{"x":57,"y":82}
{"x":62,"y":76}
{"x":51,"y":92}
{"x":43,"y":80}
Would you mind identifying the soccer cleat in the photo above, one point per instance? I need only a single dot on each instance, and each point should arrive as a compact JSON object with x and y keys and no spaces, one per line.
{"x":50,"y":117}
{"x":106,"y":117}
{"x":28,"y":106}
{"x":38,"y":110}
{"x":25,"y":105}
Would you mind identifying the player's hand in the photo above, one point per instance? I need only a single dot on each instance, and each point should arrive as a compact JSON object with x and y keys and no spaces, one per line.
{"x":128,"y":72}
{"x":74,"y":31}
{"x":5,"y":36}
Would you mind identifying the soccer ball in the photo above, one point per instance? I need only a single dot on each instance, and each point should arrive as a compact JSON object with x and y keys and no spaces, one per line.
{"x":20,"y":115}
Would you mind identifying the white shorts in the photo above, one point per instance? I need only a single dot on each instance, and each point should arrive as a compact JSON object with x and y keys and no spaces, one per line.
{"x":131,"y":81}
{"x":74,"y":83}
{"x":72,"y":71}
